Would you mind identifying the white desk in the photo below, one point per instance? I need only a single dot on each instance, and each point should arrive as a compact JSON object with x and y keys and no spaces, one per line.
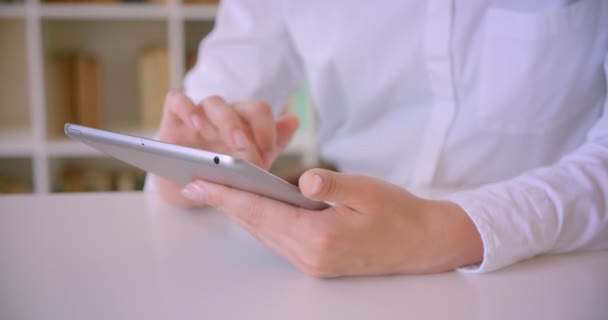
{"x":128,"y":256}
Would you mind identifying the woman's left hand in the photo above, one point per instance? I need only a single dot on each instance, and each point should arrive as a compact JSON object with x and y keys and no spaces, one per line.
{"x":374,"y":227}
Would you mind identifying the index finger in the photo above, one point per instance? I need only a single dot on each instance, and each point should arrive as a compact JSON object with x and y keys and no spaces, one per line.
{"x":232,"y":129}
{"x":177,"y":109}
{"x":259,"y":117}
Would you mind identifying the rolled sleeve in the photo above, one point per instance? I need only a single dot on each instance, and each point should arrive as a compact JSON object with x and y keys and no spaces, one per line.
{"x":506,"y":237}
{"x":557,"y":208}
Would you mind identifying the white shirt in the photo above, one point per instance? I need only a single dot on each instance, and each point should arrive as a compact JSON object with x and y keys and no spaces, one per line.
{"x":501,"y":99}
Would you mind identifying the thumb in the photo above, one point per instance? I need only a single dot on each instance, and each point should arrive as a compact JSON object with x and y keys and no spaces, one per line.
{"x":355,"y":191}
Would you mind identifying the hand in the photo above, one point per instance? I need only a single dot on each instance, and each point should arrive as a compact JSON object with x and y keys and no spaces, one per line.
{"x":246,"y":130}
{"x":374,"y":228}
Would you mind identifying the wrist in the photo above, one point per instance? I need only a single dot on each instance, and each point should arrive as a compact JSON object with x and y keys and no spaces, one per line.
{"x":456,"y":242}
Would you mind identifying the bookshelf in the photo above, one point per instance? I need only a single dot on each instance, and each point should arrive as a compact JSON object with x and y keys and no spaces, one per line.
{"x":32,"y":155}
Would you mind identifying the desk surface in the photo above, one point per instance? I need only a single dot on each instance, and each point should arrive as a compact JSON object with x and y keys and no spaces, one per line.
{"x":129,"y":256}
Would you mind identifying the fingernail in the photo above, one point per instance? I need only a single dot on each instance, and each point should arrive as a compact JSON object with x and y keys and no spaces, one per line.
{"x":317,"y":184}
{"x":173,"y":94}
{"x":196,"y":122}
{"x":239,"y":139}
{"x":194,"y":192}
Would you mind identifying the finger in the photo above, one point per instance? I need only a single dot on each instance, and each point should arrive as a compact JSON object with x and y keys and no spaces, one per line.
{"x":177,"y":110}
{"x":261,"y":121}
{"x":203,"y":125}
{"x":231,"y":129}
{"x":275,"y":224}
{"x":355,"y":191}
{"x":180,"y":111}
{"x":286,"y":126}
{"x":256,"y":213}
{"x":224,"y":117}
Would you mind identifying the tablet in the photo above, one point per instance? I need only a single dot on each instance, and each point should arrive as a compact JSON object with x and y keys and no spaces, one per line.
{"x":183,"y":165}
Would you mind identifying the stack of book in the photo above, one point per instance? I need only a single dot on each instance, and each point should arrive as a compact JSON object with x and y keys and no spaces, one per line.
{"x":118,"y":1}
{"x":73,"y":178}
{"x":74,"y":92}
{"x":82,"y":1}
{"x":153,"y":78}
{"x":8,"y":185}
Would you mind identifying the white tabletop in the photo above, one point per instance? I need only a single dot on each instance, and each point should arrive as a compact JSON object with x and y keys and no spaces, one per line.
{"x":128,"y":256}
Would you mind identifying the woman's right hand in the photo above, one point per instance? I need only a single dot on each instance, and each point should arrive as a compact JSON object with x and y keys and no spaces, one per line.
{"x":246,"y":130}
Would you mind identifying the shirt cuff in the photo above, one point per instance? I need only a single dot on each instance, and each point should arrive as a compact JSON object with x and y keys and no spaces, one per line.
{"x":472,"y":209}
{"x":501,"y":226}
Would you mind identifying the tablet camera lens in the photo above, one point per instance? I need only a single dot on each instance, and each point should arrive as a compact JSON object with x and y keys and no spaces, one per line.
{"x":216,"y":160}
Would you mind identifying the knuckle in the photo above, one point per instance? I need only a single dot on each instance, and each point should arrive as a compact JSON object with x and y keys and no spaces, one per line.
{"x":316,"y":266}
{"x":175,"y":98}
{"x":323,"y":241}
{"x":224,"y":116}
{"x":212,"y":101}
{"x":317,"y":258}
{"x":330,"y":186}
{"x":260,"y":107}
{"x":254,"y":216}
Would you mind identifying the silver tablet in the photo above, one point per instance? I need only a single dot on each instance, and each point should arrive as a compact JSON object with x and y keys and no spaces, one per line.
{"x":183,"y":165}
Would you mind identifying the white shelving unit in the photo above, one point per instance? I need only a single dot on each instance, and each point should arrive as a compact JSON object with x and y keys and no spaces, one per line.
{"x":111,"y":32}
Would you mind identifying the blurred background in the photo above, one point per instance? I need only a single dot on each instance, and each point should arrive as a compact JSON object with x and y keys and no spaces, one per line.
{"x":106,"y":64}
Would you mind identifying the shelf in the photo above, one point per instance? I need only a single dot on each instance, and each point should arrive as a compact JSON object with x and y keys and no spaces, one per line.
{"x":199,"y":11}
{"x":37,"y":90}
{"x":16,"y":175}
{"x":14,"y":91}
{"x":16,"y":142}
{"x":104,"y":11}
{"x":12,"y":11}
{"x":78,"y":174}
{"x":123,"y":11}
{"x":117,"y":59}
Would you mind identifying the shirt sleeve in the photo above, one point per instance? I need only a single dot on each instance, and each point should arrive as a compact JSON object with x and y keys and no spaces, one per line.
{"x":248,"y":56}
{"x":551,"y":209}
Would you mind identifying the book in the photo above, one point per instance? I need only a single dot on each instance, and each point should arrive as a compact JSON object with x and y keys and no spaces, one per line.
{"x":153,"y":77}
{"x":76,"y":178}
{"x":81,"y":1}
{"x":89,"y":109}
{"x":59,"y":82}
{"x":71,"y":179}
{"x":10,"y":186}
{"x":74,"y":92}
